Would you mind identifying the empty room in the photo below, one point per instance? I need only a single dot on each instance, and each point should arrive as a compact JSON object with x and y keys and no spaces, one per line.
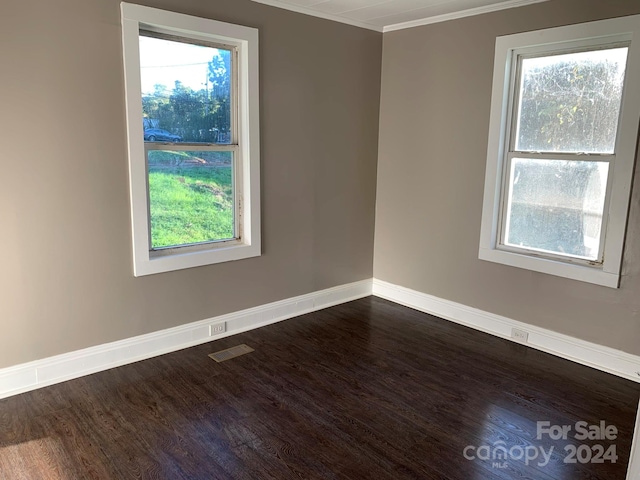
{"x":320,"y":239}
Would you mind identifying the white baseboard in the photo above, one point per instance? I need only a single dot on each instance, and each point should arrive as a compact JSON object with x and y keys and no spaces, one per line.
{"x":40,"y":373}
{"x":48,"y":371}
{"x":593,"y":355}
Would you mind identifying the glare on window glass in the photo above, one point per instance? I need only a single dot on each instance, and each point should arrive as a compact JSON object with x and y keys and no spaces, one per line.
{"x":570,"y":102}
{"x":556,"y":206}
{"x":186,"y":91}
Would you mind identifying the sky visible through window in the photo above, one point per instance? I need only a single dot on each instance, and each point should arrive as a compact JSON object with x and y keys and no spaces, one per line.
{"x":164,"y":61}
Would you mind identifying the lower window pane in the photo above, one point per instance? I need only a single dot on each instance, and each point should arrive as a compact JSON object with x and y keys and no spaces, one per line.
{"x":190,"y":197}
{"x":556,"y":206}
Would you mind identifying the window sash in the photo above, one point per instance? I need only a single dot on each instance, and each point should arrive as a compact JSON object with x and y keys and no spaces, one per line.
{"x":234,"y":72}
{"x":237,"y":176}
{"x":510,"y":152}
{"x":233,"y":146}
{"x":517,"y":58}
{"x":504,"y":207}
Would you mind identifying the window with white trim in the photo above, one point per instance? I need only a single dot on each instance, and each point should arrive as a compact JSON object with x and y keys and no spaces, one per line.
{"x":562,"y":145}
{"x":193,"y":137}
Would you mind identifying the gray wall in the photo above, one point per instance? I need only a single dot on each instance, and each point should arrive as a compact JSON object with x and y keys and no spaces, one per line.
{"x":436,"y":94}
{"x":66,"y":278}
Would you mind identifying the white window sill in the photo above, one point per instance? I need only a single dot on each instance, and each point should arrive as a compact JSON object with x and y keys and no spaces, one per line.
{"x":583,"y":273}
{"x":148,"y":264}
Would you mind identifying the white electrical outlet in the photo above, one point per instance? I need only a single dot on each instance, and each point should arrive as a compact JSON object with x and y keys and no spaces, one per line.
{"x":519,"y":335}
{"x":217,"y":328}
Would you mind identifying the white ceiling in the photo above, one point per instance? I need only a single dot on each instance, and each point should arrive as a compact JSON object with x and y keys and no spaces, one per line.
{"x":388,"y":15}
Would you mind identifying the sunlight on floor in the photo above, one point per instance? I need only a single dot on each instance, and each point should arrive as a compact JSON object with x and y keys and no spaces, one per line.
{"x":27,"y":458}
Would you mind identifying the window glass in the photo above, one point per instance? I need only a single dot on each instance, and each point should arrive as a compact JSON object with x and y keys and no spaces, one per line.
{"x":556,"y":206}
{"x":570,"y":102}
{"x":191,"y":197}
{"x":186,"y":91}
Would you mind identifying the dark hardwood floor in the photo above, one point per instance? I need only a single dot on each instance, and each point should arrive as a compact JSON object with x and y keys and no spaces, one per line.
{"x":365,"y":390}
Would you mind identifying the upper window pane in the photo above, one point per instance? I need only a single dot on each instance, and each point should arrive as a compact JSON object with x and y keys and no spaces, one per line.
{"x":570,"y":102}
{"x":186,"y":91}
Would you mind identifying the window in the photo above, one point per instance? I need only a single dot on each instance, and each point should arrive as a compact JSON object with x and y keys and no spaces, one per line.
{"x":193,"y":137}
{"x":562,"y":145}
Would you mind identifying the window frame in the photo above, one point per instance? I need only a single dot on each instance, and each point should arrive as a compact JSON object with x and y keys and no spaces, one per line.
{"x":245,"y":145}
{"x":501,"y":149}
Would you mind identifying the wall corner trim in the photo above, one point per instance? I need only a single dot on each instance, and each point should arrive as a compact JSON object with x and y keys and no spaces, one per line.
{"x":49,"y":371}
{"x":603,"y":358}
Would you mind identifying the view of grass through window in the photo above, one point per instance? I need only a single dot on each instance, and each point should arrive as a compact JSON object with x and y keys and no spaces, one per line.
{"x":187,"y":99}
{"x":190,"y":197}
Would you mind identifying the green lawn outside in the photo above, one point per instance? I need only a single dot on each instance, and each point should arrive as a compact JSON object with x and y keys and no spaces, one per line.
{"x":191,"y":199}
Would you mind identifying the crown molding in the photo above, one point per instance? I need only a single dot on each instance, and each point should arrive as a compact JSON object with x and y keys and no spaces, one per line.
{"x":461,"y":14}
{"x":403,"y":25}
{"x":314,"y":13}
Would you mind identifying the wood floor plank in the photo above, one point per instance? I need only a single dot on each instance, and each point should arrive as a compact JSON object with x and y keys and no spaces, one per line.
{"x":364,"y":390}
